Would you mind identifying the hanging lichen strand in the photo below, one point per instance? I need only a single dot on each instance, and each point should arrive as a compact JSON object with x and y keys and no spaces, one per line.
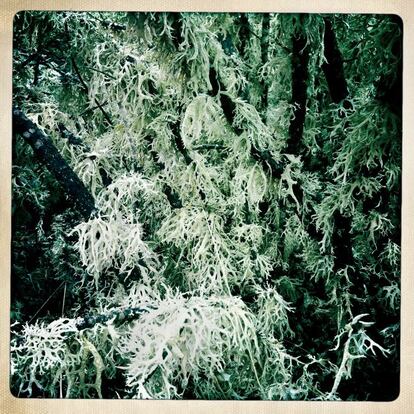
{"x":243,"y":235}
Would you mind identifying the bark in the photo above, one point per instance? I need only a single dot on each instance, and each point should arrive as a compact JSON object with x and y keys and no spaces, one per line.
{"x":66,"y":134}
{"x":47,"y":153}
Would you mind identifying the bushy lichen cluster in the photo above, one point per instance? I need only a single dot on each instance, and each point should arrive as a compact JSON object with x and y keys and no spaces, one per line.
{"x":258,"y":262}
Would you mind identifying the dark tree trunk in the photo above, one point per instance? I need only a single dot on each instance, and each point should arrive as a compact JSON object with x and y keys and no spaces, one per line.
{"x":229,"y":108}
{"x":389,"y":88}
{"x":300,"y":59}
{"x":264,"y":44}
{"x":227,"y":105}
{"x":333,"y":68}
{"x":47,"y":153}
{"x":243,"y":23}
{"x":175,"y":129}
{"x":176,"y":26}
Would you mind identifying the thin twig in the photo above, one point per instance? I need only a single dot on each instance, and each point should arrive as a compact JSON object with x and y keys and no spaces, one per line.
{"x":93,"y":108}
{"x":86,"y":89}
{"x":104,"y":112}
{"x":21,"y":65}
{"x":61,"y":380}
{"x":105,"y":23}
{"x":75,"y":66}
{"x":208,"y":146}
{"x":95,"y":17}
{"x":63,"y":302}
{"x":342,"y":368}
{"x":101,"y":71}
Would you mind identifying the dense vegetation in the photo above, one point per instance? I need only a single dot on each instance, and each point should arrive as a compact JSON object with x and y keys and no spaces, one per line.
{"x":206,"y":206}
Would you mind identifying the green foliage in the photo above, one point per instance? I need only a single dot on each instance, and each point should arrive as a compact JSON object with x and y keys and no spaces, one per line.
{"x":219,"y":265}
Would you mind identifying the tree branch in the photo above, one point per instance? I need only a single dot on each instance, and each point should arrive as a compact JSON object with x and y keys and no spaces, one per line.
{"x":265,"y":158}
{"x":47,"y":153}
{"x":175,"y":129}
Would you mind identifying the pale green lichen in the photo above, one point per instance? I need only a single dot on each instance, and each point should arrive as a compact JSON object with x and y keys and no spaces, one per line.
{"x":251,"y":269}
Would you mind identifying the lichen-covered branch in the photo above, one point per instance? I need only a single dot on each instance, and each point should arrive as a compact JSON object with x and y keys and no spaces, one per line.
{"x":119,"y":316}
{"x":47,"y":153}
